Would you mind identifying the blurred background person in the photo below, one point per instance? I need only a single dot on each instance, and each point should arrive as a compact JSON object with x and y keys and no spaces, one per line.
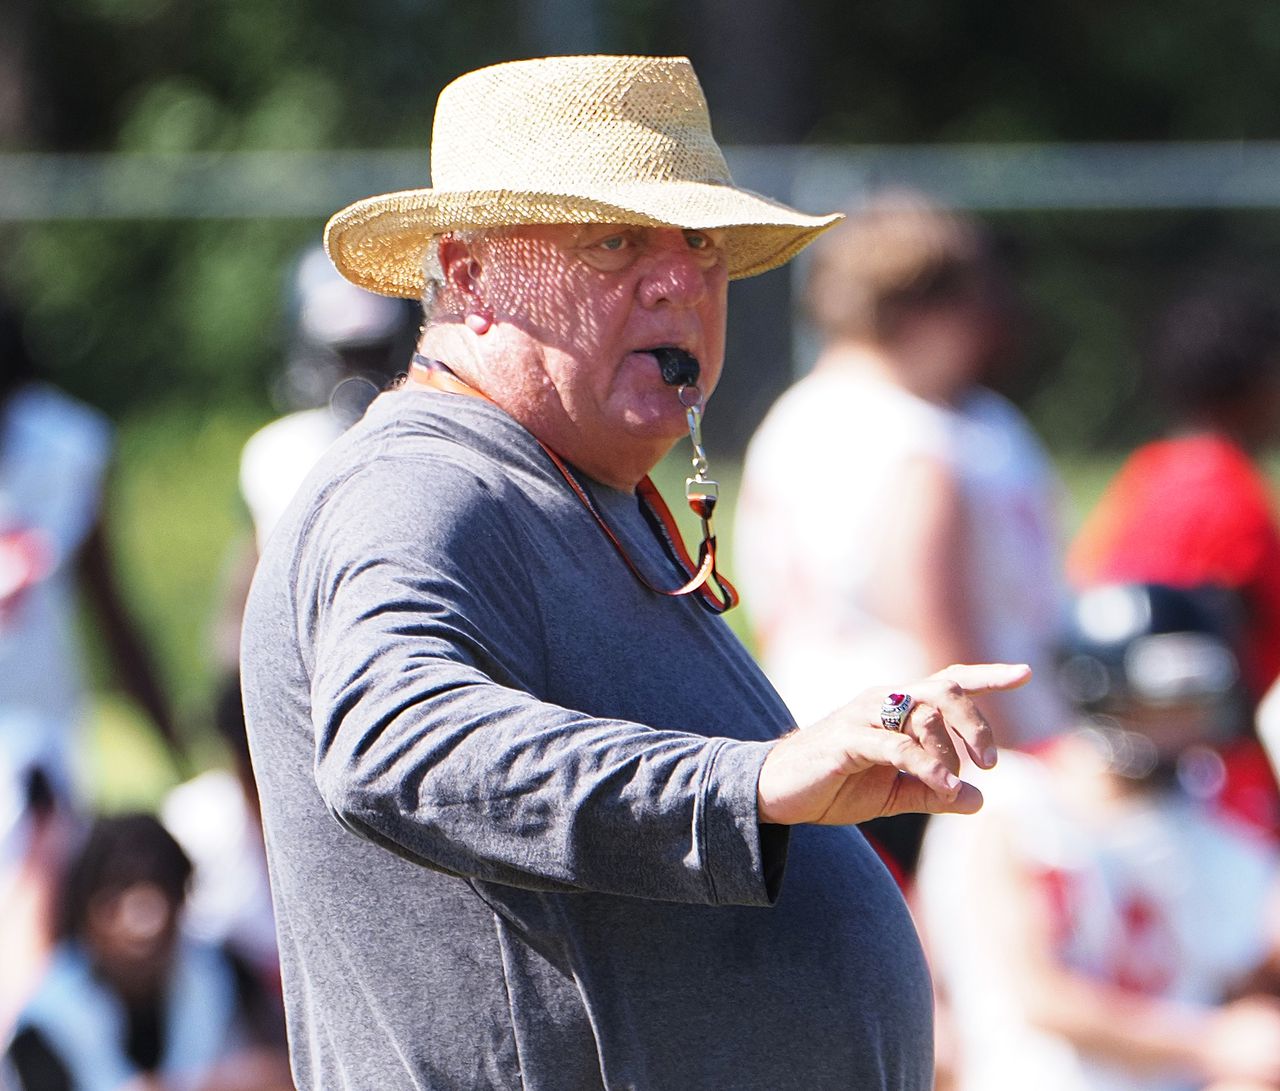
{"x":1194,"y":507}
{"x":128,"y":1000}
{"x":927,"y":533}
{"x":55,"y":454}
{"x":33,"y":839}
{"x":1138,"y":942}
{"x":344,"y":345}
{"x":215,"y":818}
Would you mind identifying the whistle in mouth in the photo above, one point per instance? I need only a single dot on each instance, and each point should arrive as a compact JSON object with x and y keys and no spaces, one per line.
{"x":679,"y":368}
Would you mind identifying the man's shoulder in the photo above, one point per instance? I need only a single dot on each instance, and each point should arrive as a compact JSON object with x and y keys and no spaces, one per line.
{"x":430,"y":434}
{"x":420,"y":487}
{"x":419,"y":458}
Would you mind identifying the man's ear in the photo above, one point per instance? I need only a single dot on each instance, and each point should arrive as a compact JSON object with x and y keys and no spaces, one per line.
{"x":459,"y":265}
{"x":461,"y":272}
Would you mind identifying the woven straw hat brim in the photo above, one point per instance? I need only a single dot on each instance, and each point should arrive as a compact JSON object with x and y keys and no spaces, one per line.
{"x":378,"y":243}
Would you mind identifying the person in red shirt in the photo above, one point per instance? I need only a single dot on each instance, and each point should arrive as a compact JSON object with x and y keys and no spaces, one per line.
{"x":1194,"y":508}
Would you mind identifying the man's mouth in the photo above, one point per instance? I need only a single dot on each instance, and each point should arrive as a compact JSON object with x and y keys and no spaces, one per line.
{"x":677,"y":366}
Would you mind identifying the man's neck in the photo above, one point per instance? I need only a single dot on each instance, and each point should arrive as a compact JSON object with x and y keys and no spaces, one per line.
{"x":608,"y":469}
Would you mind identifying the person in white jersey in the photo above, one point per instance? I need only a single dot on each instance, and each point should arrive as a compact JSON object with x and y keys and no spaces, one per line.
{"x":345,"y":345}
{"x":1138,"y":940}
{"x":896,"y":515}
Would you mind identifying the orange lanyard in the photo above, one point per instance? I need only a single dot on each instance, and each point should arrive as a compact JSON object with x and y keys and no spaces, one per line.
{"x":705,"y":578}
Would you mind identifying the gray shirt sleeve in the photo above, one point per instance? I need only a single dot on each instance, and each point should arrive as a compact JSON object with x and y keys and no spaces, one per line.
{"x":427,"y":650}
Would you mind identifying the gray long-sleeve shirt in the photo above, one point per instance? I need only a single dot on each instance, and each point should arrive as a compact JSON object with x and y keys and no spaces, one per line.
{"x":559,"y":880}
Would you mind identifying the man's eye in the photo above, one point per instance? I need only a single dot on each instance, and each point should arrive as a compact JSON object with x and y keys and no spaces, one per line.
{"x":613,"y":242}
{"x":697,"y":240}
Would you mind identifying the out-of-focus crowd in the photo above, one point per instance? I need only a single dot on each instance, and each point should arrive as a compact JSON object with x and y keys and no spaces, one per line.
{"x":138,"y":950}
{"x":1107,"y":921}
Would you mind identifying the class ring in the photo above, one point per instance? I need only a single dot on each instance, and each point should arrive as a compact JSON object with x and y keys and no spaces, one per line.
{"x":894,"y":709}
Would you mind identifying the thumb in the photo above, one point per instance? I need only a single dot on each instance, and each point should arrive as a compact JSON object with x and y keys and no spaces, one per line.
{"x":978,"y":678}
{"x":914,"y":796}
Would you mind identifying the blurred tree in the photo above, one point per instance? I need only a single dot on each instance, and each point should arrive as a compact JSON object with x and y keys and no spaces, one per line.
{"x":17,"y":92}
{"x":132,"y":312}
{"x":1059,"y":70}
{"x":560,"y":26}
{"x":757,"y":60}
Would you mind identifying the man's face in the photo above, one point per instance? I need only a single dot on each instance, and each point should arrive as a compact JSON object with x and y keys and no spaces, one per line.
{"x":575,"y":309}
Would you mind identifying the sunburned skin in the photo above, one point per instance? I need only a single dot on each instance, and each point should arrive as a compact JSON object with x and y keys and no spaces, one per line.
{"x":678,"y":367}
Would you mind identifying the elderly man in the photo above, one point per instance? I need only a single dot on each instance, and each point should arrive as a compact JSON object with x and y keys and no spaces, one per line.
{"x":529,"y":821}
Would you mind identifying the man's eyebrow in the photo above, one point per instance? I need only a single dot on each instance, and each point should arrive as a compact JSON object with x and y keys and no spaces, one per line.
{"x":599,"y":230}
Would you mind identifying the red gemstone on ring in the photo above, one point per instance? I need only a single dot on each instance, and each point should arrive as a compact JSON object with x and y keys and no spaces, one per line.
{"x":897,"y":698}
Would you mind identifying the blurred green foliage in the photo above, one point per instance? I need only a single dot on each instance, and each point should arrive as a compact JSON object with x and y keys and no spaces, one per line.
{"x":1094,"y":283}
{"x":177,"y":529}
{"x":130,"y":315}
{"x":999,"y":70}
{"x":177,"y":522}
{"x":136,"y":313}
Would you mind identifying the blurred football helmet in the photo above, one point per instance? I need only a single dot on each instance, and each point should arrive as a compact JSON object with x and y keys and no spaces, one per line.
{"x":1155,"y":670}
{"x":344,"y":343}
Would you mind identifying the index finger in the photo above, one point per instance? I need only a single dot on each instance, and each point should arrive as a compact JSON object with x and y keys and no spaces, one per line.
{"x":979,"y":678}
{"x":957,"y":714}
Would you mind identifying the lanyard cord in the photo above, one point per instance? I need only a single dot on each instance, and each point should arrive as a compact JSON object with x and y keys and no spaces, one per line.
{"x":703,"y":574}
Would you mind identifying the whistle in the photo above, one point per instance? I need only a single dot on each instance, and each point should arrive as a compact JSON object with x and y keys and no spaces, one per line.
{"x":679,"y":368}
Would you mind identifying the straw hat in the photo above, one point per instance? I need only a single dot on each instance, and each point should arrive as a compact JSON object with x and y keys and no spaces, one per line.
{"x":567,"y":140}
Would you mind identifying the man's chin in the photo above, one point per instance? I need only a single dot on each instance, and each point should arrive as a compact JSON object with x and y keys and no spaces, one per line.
{"x":657,"y":426}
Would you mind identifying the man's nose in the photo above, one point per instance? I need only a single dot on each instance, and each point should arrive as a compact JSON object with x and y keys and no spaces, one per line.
{"x":675,"y":275}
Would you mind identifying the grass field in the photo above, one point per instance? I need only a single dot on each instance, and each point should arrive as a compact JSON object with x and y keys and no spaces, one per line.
{"x":176,"y":521}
